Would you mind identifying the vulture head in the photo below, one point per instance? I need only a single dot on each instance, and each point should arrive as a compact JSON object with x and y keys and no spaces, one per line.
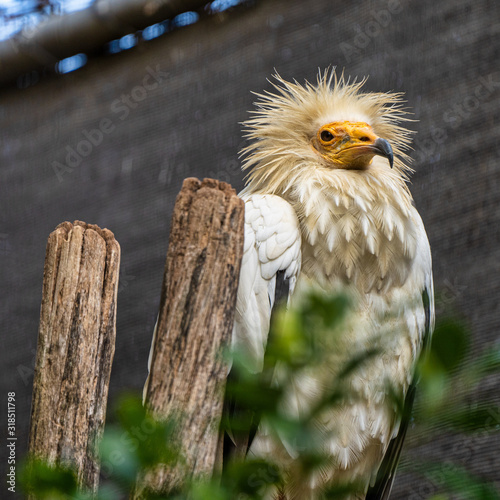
{"x":330,"y":127}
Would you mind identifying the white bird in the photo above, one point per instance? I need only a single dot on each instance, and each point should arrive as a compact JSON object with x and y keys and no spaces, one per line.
{"x":327,"y":205}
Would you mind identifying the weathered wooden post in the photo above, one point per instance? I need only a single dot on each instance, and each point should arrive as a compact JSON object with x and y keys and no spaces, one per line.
{"x":76,"y":342}
{"x":187,"y":374}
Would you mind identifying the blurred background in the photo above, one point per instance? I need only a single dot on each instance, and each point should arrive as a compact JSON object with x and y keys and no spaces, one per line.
{"x":106,"y":107}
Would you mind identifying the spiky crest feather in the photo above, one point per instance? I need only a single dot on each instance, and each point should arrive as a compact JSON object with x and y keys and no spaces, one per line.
{"x":285,"y":122}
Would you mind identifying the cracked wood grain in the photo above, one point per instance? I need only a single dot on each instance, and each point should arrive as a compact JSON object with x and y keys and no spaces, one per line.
{"x":76,"y":342}
{"x":195,"y":321}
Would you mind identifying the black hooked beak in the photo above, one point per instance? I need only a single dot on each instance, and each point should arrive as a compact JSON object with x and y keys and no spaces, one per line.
{"x":383,"y":148}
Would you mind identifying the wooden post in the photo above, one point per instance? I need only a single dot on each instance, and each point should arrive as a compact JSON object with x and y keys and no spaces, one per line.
{"x":187,"y":375}
{"x":76,"y":342}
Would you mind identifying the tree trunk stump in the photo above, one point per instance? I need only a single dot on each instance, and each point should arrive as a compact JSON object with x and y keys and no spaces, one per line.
{"x":76,"y":342}
{"x":188,"y":373}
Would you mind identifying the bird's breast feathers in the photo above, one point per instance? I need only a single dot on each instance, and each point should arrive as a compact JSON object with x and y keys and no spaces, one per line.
{"x":367,"y":236}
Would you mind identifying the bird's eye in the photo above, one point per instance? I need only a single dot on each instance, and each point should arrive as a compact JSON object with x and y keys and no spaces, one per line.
{"x":326,"y":136}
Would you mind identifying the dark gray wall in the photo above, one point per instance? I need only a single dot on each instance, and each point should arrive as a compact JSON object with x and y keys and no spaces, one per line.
{"x":184,"y":121}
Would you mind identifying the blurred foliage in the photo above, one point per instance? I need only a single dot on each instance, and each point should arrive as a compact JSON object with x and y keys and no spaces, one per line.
{"x":449,"y":379}
{"x":50,"y":483}
{"x":134,"y":442}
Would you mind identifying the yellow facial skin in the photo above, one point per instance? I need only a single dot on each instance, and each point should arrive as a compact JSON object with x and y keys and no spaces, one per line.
{"x":350,"y":145}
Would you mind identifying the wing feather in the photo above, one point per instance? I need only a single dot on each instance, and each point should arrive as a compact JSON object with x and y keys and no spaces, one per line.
{"x":272,"y":246}
{"x":270,"y":266}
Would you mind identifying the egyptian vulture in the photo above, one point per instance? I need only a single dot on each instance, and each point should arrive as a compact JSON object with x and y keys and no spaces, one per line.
{"x":327,"y":205}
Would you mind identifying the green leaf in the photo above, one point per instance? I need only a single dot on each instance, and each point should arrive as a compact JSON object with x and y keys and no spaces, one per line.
{"x":450,"y":343}
{"x":356,"y":361}
{"x":288,"y":342}
{"x":150,"y":440}
{"x":51,"y":482}
{"x":344,"y":491}
{"x":253,"y":392}
{"x":482,"y":366}
{"x":330,"y":309}
{"x":250,"y":478}
{"x":456,"y":479}
{"x":473,"y":418}
{"x":207,"y":491}
{"x":119,"y":457}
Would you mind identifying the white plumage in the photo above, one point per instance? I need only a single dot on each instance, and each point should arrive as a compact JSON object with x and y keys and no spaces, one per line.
{"x":272,"y":244}
{"x":324,"y":206}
